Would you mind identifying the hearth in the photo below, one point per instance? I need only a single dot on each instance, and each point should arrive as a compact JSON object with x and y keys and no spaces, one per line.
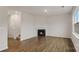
{"x":41,"y":32}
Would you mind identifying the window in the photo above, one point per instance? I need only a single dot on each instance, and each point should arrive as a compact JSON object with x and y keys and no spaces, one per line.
{"x":76,"y":22}
{"x":76,"y":16}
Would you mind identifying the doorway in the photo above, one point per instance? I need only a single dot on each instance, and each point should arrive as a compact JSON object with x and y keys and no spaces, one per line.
{"x":14,"y":25}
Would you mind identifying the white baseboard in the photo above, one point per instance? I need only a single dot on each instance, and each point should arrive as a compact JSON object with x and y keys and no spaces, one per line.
{"x":59,"y":36}
{"x":3,"y":48}
{"x":27,"y":38}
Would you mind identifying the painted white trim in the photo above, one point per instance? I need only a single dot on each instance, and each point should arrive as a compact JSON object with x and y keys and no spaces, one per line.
{"x":27,"y":37}
{"x":4,"y":48}
{"x":76,"y":35}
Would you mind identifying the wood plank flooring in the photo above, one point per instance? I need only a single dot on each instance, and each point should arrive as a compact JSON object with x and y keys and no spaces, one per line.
{"x":41,"y":44}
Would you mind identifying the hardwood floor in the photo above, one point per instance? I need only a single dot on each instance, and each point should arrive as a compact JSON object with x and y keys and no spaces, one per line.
{"x":41,"y":44}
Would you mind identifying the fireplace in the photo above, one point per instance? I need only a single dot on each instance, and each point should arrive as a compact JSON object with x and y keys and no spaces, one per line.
{"x":41,"y":32}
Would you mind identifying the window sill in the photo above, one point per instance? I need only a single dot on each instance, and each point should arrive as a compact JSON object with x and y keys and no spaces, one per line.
{"x":76,"y":35}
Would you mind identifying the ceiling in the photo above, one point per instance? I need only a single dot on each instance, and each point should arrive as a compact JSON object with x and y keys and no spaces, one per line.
{"x":39,"y":10}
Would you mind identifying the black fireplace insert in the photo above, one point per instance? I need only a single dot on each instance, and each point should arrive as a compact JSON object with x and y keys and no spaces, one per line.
{"x":41,"y":32}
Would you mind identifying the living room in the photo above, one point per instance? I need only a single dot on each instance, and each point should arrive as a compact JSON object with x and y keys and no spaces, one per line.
{"x":37,"y":28}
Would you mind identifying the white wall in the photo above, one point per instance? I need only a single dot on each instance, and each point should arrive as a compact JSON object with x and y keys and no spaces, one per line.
{"x":3,"y":28}
{"x":27,"y":28}
{"x":41,"y":22}
{"x":60,"y":26}
{"x":14,"y":24}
